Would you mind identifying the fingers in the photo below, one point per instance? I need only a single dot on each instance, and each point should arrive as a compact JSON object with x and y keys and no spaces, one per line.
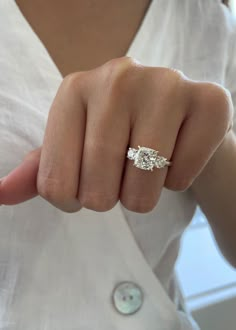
{"x":106,"y":139}
{"x":93,"y":119}
{"x":157,"y":130}
{"x":84,"y":150}
{"x":20,"y":184}
{"x":61,"y":155}
{"x":201,"y":133}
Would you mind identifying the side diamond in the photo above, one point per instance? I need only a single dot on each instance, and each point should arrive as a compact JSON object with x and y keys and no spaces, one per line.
{"x":131,"y":153}
{"x":160,"y":162}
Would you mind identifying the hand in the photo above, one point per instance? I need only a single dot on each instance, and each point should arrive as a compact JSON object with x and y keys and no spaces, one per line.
{"x":97,"y":114}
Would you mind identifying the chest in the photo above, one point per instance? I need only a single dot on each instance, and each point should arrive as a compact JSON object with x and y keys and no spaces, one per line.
{"x":81,"y":35}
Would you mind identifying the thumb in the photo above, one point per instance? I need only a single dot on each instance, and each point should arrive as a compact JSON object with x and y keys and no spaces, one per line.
{"x":21,"y":183}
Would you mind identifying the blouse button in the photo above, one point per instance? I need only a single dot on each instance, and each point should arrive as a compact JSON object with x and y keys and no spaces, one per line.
{"x":127,"y":298}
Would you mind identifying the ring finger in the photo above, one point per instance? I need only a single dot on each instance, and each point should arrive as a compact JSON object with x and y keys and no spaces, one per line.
{"x":158,"y":130}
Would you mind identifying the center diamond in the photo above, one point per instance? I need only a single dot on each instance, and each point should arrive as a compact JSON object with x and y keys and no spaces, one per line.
{"x":145,"y":158}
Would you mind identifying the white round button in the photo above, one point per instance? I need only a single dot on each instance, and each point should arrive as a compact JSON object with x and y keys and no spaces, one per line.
{"x":127,"y":297}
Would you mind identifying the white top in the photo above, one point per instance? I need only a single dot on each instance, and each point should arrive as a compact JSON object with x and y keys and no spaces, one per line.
{"x":58,"y":270}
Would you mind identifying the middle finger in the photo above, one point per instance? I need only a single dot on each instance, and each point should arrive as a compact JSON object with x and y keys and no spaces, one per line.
{"x":106,"y":138}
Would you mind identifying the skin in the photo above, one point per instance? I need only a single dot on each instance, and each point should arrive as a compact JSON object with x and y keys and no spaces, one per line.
{"x":98,"y":112}
{"x":214,"y":190}
{"x":107,"y":36}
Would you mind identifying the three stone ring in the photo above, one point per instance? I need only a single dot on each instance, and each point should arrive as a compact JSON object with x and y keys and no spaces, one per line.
{"x":147,"y":158}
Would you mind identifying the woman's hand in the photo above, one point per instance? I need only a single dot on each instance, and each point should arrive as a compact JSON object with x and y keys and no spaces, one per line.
{"x":96,"y":115}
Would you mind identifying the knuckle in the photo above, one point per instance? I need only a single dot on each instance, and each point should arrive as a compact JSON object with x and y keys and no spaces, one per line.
{"x":219,"y":95}
{"x":138,"y":205}
{"x":168,"y":85}
{"x":172,"y":74}
{"x":218,"y":102}
{"x":122,"y":62}
{"x":52,"y":191}
{"x":169,"y":77}
{"x":74,"y":81}
{"x":49,"y":189}
{"x":99,"y":202}
{"x":121,"y":74}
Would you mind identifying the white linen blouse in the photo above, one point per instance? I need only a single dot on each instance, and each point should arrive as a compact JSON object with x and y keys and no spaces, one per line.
{"x":60,"y":271}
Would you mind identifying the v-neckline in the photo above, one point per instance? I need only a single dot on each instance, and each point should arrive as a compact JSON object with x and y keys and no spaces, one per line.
{"x":143,"y":25}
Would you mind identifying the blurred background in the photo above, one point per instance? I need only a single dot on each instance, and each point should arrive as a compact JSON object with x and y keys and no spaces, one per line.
{"x":233,"y":6}
{"x":207,"y":279}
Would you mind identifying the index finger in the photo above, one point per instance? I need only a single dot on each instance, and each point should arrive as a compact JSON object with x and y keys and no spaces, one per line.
{"x":59,"y":167}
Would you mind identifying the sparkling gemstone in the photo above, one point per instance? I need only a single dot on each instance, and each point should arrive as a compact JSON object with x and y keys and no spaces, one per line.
{"x":131,"y":153}
{"x":160,"y":162}
{"x":145,"y":158}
